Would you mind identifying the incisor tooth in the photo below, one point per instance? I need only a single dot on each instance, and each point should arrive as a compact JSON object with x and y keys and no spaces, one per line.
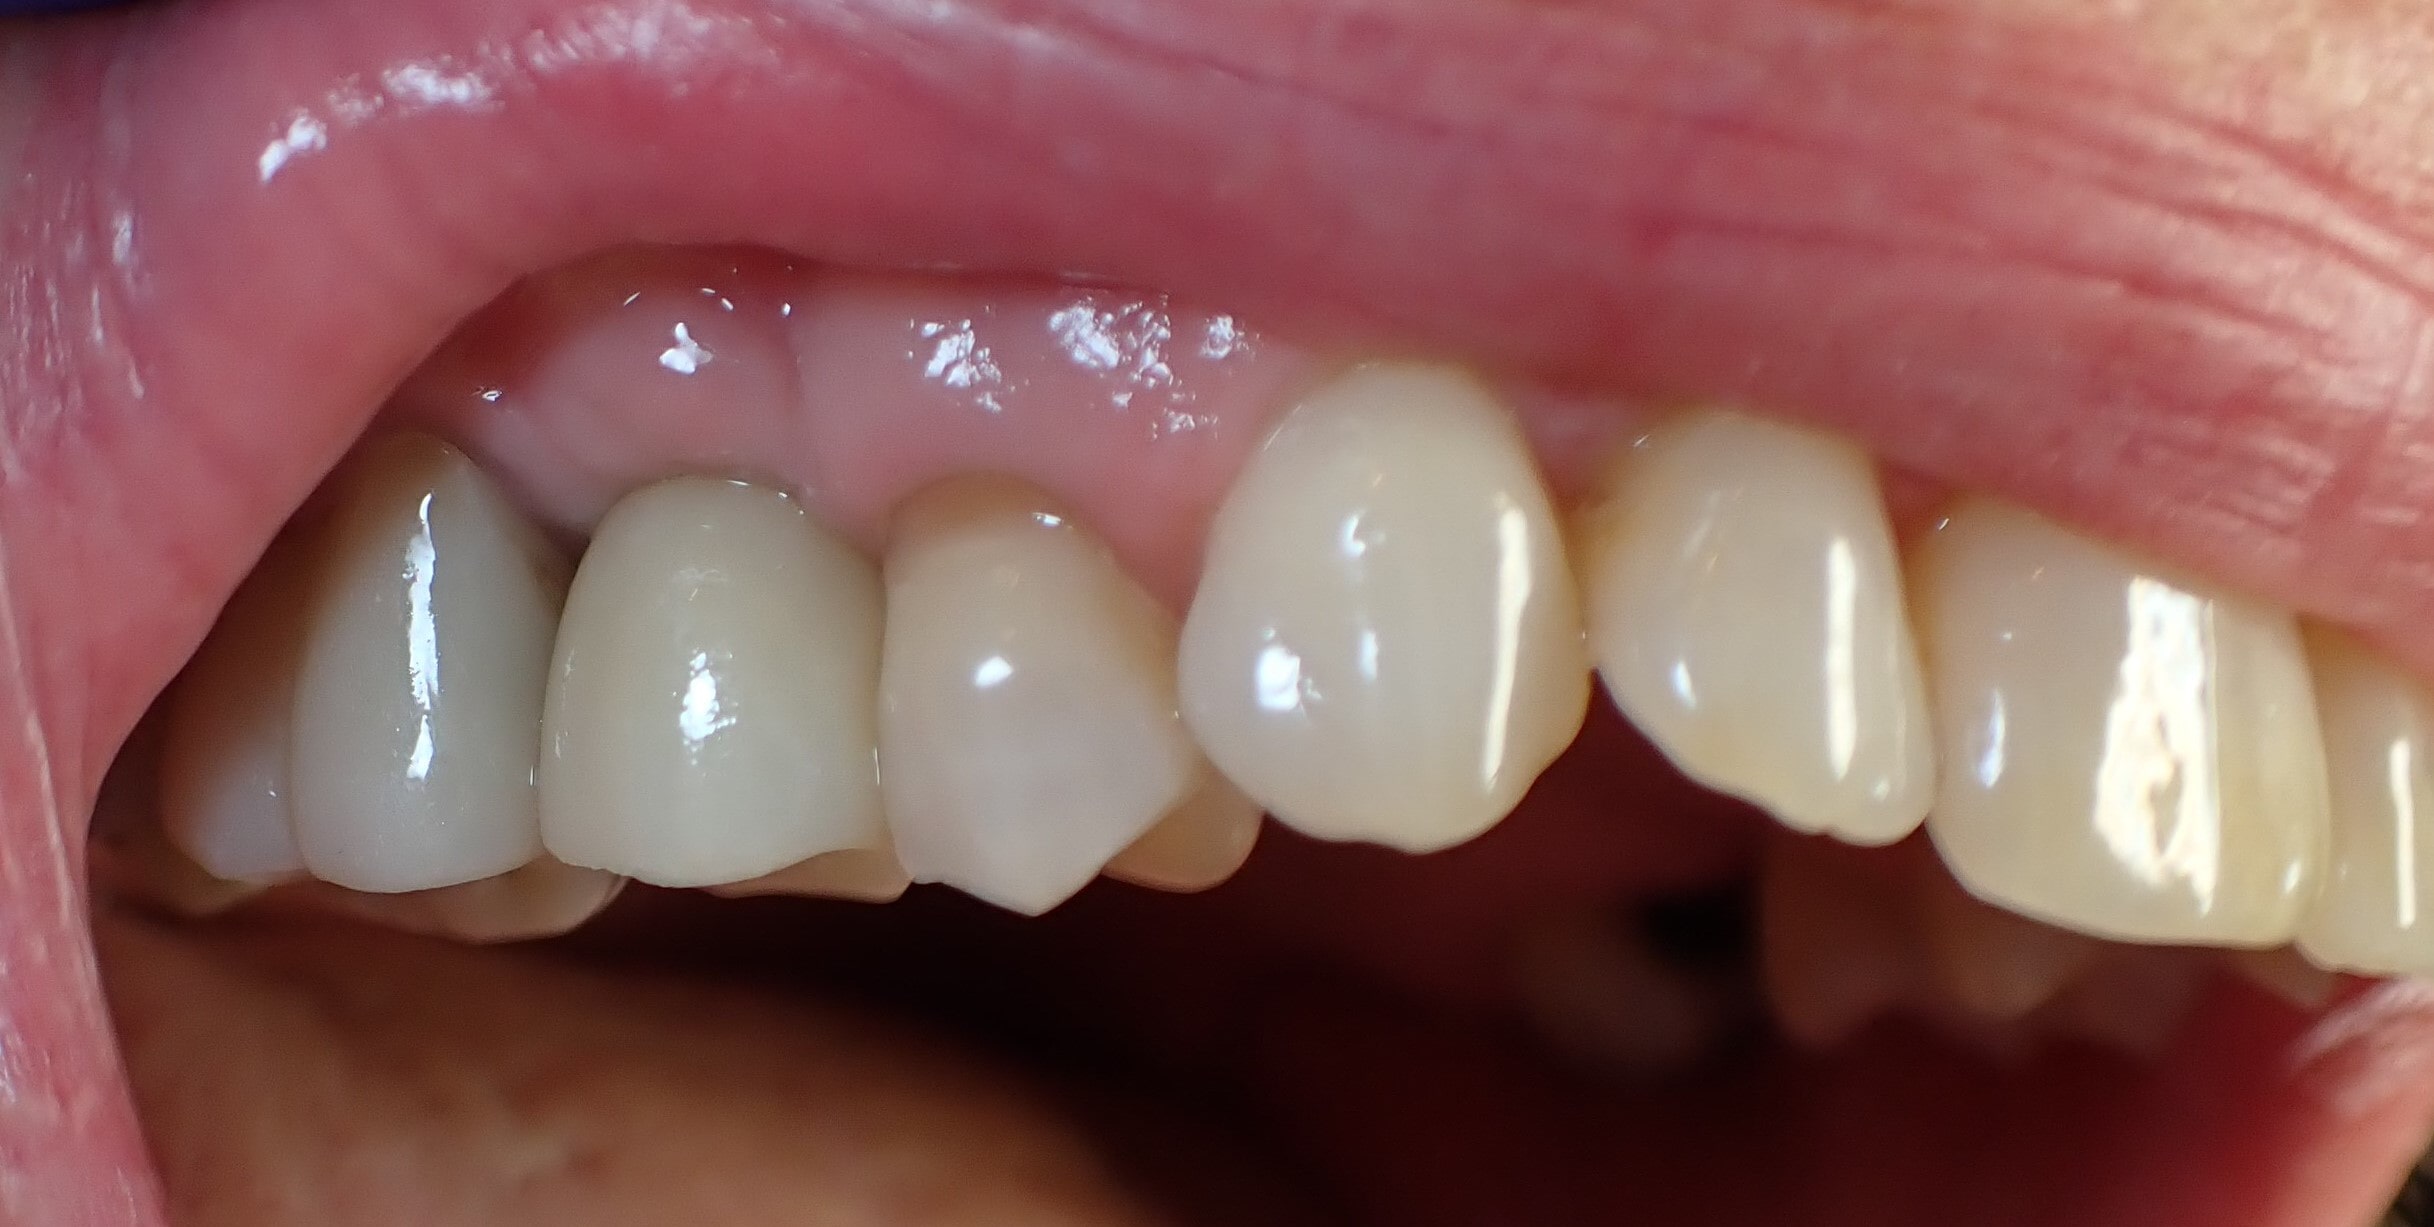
{"x":2125,"y":753}
{"x":1745,"y":609}
{"x":2376,"y":912}
{"x":1197,"y":845}
{"x":1386,"y":642}
{"x":1027,"y":728}
{"x":713,"y":699}
{"x":418,"y":700}
{"x":224,"y":780}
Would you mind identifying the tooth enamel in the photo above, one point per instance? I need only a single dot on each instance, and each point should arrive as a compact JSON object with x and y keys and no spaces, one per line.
{"x":1197,"y":845}
{"x":1837,"y":948}
{"x":224,"y":779}
{"x":867,"y":875}
{"x":1027,"y":728}
{"x":1745,"y":609}
{"x":712,"y":702}
{"x":2376,"y":912}
{"x":541,"y":899}
{"x":418,"y":699}
{"x":2127,"y":754}
{"x":1386,"y":643}
{"x":1995,"y":964}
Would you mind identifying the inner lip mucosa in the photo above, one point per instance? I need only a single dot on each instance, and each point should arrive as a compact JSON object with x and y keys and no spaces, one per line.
{"x":1361,"y":593}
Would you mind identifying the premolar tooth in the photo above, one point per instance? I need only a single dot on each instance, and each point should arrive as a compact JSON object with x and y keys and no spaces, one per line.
{"x":1197,"y":845}
{"x":866,"y":875}
{"x":224,"y":779}
{"x":712,"y":703}
{"x":418,"y":699}
{"x":1386,"y":642}
{"x":1028,"y":729}
{"x":1745,"y":609}
{"x":2376,"y":912}
{"x":2126,"y":753}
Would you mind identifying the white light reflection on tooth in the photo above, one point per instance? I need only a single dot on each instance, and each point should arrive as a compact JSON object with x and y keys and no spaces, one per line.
{"x":992,"y":672}
{"x":1990,"y":760}
{"x":2158,"y":804}
{"x":1841,"y":647}
{"x":703,"y":714}
{"x":1513,"y":583}
{"x":422,"y":639}
{"x":2399,"y":769}
{"x":1278,"y":677}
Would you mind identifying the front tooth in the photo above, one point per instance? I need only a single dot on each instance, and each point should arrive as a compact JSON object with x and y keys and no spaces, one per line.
{"x":541,"y":899}
{"x":418,"y":698}
{"x":1745,"y":609}
{"x":1197,"y":845}
{"x":1386,"y":642}
{"x":2128,"y":754}
{"x":2376,"y":913}
{"x":224,"y":779}
{"x":712,"y":705}
{"x":1027,"y":728}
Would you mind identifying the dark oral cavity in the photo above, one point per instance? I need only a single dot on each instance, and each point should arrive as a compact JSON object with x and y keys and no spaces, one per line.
{"x":2055,"y":255}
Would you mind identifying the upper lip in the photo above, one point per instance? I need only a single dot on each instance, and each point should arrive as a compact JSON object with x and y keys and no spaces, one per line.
{"x":2051,"y":255}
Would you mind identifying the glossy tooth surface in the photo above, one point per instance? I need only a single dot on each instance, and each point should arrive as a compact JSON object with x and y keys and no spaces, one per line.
{"x":418,"y":699}
{"x":2376,"y":912}
{"x":866,"y":875}
{"x":713,"y":699}
{"x":1028,"y":728}
{"x":224,"y":779}
{"x":1197,"y":845}
{"x":1745,"y":609}
{"x":1386,"y":641}
{"x":2125,"y":753}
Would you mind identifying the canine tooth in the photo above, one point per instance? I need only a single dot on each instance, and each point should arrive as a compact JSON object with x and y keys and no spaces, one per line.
{"x":2125,"y":753}
{"x":1386,"y":642}
{"x":224,"y":779}
{"x":1197,"y":845}
{"x":2376,"y":912}
{"x":1745,"y":609}
{"x":866,"y":875}
{"x":541,"y":899}
{"x":1027,"y":728}
{"x":713,"y":699}
{"x":418,"y":698}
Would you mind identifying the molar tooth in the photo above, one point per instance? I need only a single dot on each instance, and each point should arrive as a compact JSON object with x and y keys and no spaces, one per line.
{"x":712,"y":703}
{"x":418,"y":698}
{"x":1745,"y":609}
{"x":224,"y":778}
{"x":1386,"y":642}
{"x":1028,"y":728}
{"x":2126,"y":753}
{"x":1197,"y":845}
{"x":2376,"y":912}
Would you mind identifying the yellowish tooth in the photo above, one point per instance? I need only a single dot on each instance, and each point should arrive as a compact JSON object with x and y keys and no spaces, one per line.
{"x":1386,"y":642}
{"x":541,"y":899}
{"x":2131,"y":1000}
{"x":1197,"y":845}
{"x":2284,"y":973}
{"x":865,"y":875}
{"x":1600,"y":996}
{"x":2126,"y":752}
{"x":418,"y":698}
{"x":1745,"y":609}
{"x":2376,"y":912}
{"x":224,"y":779}
{"x":1028,"y":729}
{"x":1996,"y":965}
{"x":713,"y":700}
{"x":1838,"y":948}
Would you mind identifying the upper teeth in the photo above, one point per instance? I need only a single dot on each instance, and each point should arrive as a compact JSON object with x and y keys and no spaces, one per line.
{"x":1386,"y":645}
